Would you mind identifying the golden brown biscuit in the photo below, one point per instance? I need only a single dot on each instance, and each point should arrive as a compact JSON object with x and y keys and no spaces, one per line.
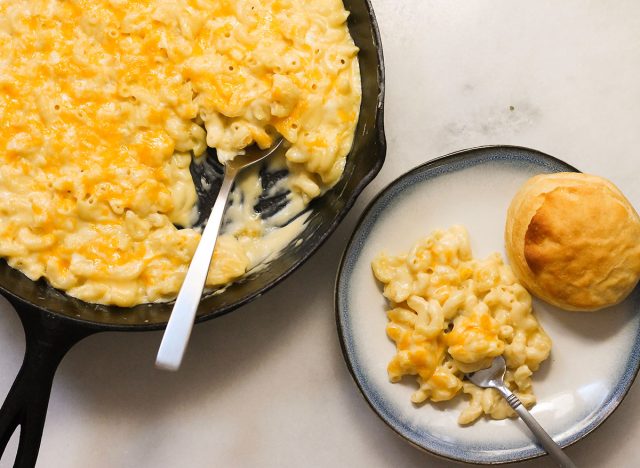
{"x":574,"y":240}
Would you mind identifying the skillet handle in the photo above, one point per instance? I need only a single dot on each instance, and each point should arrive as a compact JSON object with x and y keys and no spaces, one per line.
{"x":48,"y":338}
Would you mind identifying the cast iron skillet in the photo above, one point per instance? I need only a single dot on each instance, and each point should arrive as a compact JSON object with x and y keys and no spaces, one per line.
{"x":54,"y":322}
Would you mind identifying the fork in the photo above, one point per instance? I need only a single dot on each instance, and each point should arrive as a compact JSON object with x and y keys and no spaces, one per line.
{"x":493,"y":377}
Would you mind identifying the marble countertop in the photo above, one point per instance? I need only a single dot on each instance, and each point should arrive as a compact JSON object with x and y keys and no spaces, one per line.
{"x":267,"y":385}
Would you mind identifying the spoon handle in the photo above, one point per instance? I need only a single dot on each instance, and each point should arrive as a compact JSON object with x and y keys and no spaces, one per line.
{"x":176,"y":336}
{"x":553,"y":449}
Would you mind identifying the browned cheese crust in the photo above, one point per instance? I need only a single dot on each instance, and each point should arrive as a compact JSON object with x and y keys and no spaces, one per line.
{"x":574,"y":240}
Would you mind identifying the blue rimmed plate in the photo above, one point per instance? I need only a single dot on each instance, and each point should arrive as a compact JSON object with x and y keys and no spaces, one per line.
{"x":595,"y":356}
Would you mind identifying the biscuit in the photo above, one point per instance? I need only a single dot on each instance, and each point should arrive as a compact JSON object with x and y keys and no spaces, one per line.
{"x":574,"y":240}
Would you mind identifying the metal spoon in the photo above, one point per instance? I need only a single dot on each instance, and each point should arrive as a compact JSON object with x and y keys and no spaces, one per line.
{"x":176,"y":336}
{"x":493,"y":377}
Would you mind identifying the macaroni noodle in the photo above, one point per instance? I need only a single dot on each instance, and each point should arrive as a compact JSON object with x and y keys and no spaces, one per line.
{"x":106,"y":102}
{"x":452,"y":314}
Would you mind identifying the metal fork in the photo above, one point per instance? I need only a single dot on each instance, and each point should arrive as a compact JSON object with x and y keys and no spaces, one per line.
{"x":493,"y":377}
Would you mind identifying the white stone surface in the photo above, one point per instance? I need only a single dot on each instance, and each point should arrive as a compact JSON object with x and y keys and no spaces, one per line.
{"x":267,"y":386}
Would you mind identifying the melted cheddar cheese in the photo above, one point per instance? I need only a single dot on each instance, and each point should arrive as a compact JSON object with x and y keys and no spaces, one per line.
{"x":451,"y":315}
{"x":104,"y":103}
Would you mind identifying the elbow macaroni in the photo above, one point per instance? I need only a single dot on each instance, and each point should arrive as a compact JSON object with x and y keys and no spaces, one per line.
{"x":105,"y":102}
{"x":452,"y":315}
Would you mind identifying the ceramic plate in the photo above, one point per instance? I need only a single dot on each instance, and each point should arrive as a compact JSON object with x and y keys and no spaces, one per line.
{"x":595,"y":356}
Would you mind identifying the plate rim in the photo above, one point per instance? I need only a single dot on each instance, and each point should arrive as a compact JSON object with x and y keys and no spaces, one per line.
{"x":604,"y":411}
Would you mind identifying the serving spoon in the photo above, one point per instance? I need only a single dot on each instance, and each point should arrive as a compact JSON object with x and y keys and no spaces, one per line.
{"x":493,"y":377}
{"x":176,"y":336}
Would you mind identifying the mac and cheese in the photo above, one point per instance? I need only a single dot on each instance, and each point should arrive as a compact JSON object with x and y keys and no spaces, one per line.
{"x":104,"y":104}
{"x":452,"y":314}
